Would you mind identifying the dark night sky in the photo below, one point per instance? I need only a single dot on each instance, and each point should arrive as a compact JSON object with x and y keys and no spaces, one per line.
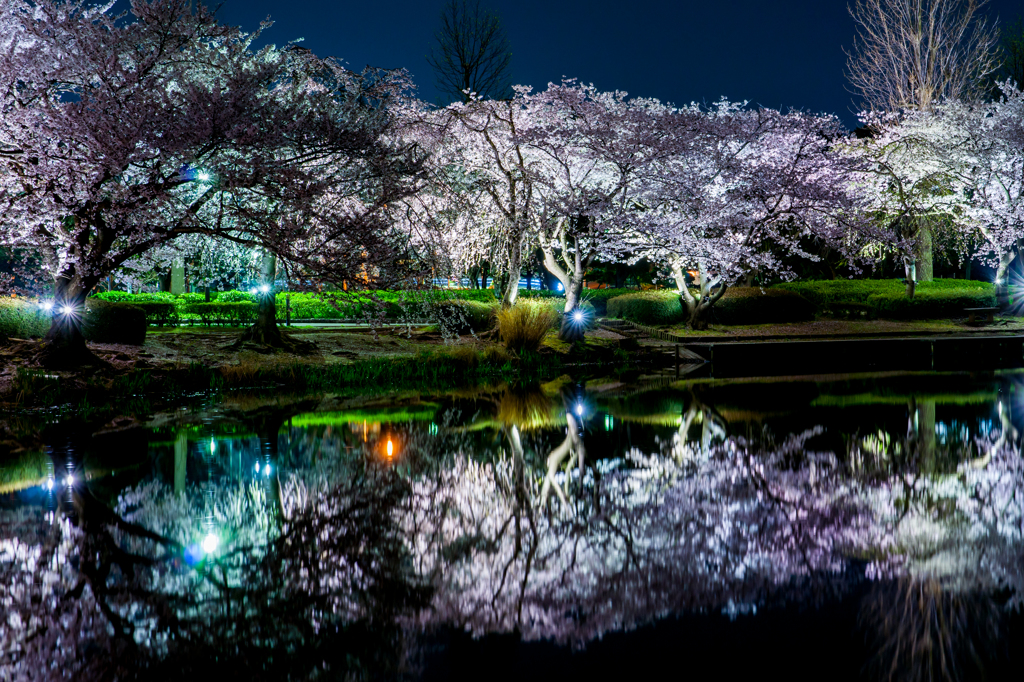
{"x":783,"y":53}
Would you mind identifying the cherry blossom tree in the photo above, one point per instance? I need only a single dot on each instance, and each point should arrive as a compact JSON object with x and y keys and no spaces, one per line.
{"x":589,"y":153}
{"x":483,"y":168}
{"x":120,"y":134}
{"x":744,"y":188}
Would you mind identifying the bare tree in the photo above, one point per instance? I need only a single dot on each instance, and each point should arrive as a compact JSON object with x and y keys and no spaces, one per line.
{"x":913,"y":53}
{"x":472,"y":54}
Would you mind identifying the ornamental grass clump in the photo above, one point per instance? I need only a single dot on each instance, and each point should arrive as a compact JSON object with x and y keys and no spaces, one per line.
{"x":523,"y":326}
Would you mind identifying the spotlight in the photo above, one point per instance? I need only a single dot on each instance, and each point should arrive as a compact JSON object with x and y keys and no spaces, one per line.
{"x":46,"y":305}
{"x":578,"y":316}
{"x":210,"y":543}
{"x":67,"y":310}
{"x":70,"y":480}
{"x":265,"y":289}
{"x":579,"y":409}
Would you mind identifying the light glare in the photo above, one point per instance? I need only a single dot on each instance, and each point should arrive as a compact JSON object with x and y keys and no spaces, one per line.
{"x":210,"y":543}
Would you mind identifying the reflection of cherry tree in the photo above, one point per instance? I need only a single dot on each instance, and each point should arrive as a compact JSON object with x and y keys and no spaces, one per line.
{"x":645,"y":537}
{"x":272,"y":596}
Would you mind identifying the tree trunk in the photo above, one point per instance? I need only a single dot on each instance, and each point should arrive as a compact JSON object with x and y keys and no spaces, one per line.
{"x":64,"y":344}
{"x":572,"y":329}
{"x":1003,"y":278}
{"x":697,"y":307}
{"x":265,"y":332}
{"x":910,"y":271}
{"x":510,"y":282}
{"x":923,"y":251}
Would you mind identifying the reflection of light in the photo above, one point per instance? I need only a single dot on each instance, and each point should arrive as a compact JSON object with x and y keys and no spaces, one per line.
{"x":212,"y":446}
{"x":266,"y":470}
{"x":210,"y":543}
{"x":559,"y":287}
{"x":70,"y":480}
{"x":391,"y":448}
{"x":364,"y":430}
{"x":49,"y":484}
{"x":204,"y":176}
{"x":609,"y":422}
{"x":257,"y":467}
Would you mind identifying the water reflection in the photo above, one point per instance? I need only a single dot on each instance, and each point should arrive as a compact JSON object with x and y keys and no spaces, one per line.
{"x":284,"y":543}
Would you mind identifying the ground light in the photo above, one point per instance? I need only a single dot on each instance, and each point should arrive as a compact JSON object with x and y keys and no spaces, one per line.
{"x":391,"y":449}
{"x":578,"y":316}
{"x":46,"y":305}
{"x":67,"y":310}
{"x":265,"y":289}
{"x":210,"y":543}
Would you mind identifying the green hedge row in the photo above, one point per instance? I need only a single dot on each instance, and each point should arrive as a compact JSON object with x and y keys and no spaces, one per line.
{"x":103,"y":322}
{"x":887,"y":297}
{"x":740,"y":305}
{"x":647,"y":307}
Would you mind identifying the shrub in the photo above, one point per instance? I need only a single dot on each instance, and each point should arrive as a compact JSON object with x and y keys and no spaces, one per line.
{"x":22,"y":319}
{"x":237,"y":313}
{"x":459,"y":316}
{"x":648,"y":307}
{"x":933,"y":303}
{"x":754,"y":305}
{"x":887,"y":297}
{"x":523,"y":326}
{"x":235,"y":296}
{"x":158,"y":312}
{"x":108,"y":322}
{"x":599,"y":298}
{"x":125,"y":297}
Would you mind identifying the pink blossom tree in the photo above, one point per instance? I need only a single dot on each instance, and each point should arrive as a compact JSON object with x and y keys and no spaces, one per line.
{"x":745,"y":188}
{"x":590,"y":153}
{"x":120,"y":134}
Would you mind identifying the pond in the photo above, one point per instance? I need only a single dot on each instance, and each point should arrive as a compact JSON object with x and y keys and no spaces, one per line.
{"x":858,"y":527}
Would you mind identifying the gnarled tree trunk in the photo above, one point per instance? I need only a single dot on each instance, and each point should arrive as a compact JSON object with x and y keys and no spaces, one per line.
{"x":264,"y":331}
{"x":64,"y":345}
{"x":697,"y":307}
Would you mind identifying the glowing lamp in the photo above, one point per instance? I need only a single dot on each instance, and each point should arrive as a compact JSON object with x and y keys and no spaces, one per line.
{"x":67,"y":310}
{"x":210,"y":543}
{"x":266,"y":470}
{"x":579,"y":409}
{"x":391,"y":449}
{"x":49,"y":484}
{"x":203,"y":176}
{"x":578,"y":316}
{"x":252,"y":291}
{"x":257,"y":467}
{"x":265,"y":289}
{"x":70,"y":480}
{"x":46,"y":305}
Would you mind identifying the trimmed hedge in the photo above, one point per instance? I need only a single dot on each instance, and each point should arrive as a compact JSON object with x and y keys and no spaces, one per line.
{"x":107,"y":322}
{"x":935,"y":299}
{"x":931,"y":304}
{"x":754,"y":305}
{"x":464,"y":317}
{"x":22,"y":320}
{"x":237,"y":313}
{"x":648,"y":307}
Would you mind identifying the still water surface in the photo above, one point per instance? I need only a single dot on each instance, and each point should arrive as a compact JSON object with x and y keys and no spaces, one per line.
{"x":858,"y":528}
